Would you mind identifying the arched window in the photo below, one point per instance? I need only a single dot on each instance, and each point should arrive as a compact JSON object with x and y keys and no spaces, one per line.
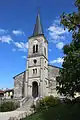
{"x":33,"y":48}
{"x":36,"y":48}
{"x":35,"y":61}
{"x":35,"y":71}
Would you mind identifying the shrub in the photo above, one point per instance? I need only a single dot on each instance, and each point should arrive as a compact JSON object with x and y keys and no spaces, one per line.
{"x":8,"y":106}
{"x":76,"y":100}
{"x":67,"y":100}
{"x":46,"y":102}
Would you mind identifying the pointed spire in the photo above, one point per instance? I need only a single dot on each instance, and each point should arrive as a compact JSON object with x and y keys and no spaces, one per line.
{"x":38,"y":26}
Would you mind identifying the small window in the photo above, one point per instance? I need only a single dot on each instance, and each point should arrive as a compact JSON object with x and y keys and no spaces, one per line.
{"x":34,"y":71}
{"x":35,"y":61}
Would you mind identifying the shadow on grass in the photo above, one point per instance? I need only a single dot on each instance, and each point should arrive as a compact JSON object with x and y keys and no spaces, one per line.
{"x":63,"y":112}
{"x":59,"y":112}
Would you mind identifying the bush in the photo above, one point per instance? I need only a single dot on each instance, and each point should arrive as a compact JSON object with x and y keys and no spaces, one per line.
{"x":76,"y":100}
{"x":67,"y":100}
{"x":47,"y":102}
{"x":8,"y":106}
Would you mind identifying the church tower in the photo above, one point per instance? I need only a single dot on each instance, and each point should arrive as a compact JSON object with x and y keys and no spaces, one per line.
{"x":36,"y":83}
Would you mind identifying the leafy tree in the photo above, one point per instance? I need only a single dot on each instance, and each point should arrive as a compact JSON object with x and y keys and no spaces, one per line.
{"x":68,"y":83}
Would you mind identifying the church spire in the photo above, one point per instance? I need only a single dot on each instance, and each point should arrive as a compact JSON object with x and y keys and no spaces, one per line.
{"x":38,"y":26}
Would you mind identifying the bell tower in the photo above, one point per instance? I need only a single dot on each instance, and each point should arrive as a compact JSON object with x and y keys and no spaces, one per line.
{"x":36,"y":83}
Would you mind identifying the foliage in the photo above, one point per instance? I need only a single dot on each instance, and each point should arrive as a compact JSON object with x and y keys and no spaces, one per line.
{"x":8,"y":106}
{"x":66,"y":101}
{"x":47,"y":102}
{"x":76,"y":100}
{"x":68,"y":83}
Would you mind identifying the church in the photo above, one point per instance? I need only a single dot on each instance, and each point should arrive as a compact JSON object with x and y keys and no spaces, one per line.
{"x":39,"y":78}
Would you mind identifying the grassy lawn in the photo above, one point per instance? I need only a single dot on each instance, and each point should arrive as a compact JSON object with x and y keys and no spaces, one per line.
{"x":59,"y":112}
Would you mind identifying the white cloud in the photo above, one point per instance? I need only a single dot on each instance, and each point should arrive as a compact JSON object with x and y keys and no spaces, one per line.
{"x":49,"y":50}
{"x":13,"y":49}
{"x":60,"y":45}
{"x":57,"y":32}
{"x":21,"y":46}
{"x":18,"y":32}
{"x":58,"y":60}
{"x":3,"y":31}
{"x":57,"y":21}
{"x":24,"y":57}
{"x":6,"y":39}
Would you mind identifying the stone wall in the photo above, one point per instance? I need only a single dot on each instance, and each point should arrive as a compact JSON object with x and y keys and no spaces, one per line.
{"x":19,"y":85}
{"x":53,"y":72}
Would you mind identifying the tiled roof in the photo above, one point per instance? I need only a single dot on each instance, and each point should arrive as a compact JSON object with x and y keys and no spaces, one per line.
{"x":8,"y":90}
{"x":1,"y":91}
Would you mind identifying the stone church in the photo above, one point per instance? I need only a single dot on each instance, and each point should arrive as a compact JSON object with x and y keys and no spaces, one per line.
{"x":39,"y":78}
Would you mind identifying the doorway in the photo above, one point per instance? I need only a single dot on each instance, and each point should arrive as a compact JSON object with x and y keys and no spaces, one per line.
{"x":35,"y":89}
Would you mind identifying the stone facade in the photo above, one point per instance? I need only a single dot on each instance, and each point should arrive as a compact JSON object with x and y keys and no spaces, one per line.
{"x":53,"y":72}
{"x":19,"y":81}
{"x":21,"y":86}
{"x":39,"y":79}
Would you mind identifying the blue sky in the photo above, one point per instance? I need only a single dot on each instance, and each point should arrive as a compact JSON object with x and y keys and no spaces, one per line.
{"x":17,"y":19}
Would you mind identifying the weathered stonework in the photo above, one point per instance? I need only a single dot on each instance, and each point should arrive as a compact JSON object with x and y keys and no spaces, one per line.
{"x":19,"y":85}
{"x":39,"y":79}
{"x":53,"y":72}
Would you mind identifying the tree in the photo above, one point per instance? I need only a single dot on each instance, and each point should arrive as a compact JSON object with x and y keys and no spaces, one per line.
{"x":68,"y":82}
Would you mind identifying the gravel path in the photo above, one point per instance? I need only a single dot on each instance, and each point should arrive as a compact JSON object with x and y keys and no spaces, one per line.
{"x":19,"y":113}
{"x":7,"y":115}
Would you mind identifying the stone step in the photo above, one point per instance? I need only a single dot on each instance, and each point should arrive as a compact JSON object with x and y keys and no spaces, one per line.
{"x":19,"y":113}
{"x":26,"y":106}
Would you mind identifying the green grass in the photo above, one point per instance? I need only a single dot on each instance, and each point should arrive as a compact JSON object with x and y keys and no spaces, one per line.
{"x":59,"y":112}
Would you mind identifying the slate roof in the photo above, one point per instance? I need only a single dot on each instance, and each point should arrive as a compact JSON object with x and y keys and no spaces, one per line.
{"x":38,"y":30}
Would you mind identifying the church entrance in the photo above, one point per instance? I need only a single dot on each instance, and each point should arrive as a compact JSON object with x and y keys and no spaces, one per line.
{"x":35,"y":89}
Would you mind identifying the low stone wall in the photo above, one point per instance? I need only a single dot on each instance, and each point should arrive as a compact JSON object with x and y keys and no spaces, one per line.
{"x":22,"y":115}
